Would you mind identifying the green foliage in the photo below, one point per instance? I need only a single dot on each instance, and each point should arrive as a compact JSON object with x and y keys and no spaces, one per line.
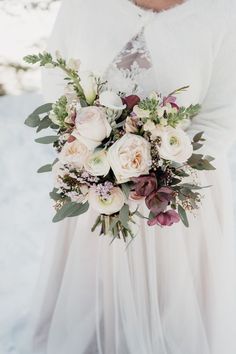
{"x":183,"y":215}
{"x":201,"y":163}
{"x":60,"y":111}
{"x":124,"y":216}
{"x":45,"y":168}
{"x":47,"y":139}
{"x":70,"y":209}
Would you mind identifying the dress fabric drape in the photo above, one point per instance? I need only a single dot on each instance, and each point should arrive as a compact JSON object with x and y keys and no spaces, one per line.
{"x":172,"y":290}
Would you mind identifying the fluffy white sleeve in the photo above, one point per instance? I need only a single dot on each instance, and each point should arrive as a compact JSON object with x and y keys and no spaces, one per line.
{"x":218,"y":116}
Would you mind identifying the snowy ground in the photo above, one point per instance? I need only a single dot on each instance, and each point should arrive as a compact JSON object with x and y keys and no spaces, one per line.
{"x":25,"y":213}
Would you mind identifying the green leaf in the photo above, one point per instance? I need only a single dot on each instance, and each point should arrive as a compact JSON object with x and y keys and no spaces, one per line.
{"x":47,"y":139}
{"x":45,"y":168}
{"x":183,"y":215}
{"x":70,"y":210}
{"x":32,"y":121}
{"x":126,"y":187}
{"x":45,"y":108}
{"x":209,"y":158}
{"x":124,"y":216}
{"x":44,"y":124}
{"x":54,"y":195}
{"x":197,"y":146}
{"x":198,"y":137}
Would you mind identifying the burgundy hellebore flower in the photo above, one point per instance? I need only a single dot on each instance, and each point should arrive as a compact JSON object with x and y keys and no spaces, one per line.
{"x":168,"y":218}
{"x":131,"y":101}
{"x":145,"y":185}
{"x":158,"y":200}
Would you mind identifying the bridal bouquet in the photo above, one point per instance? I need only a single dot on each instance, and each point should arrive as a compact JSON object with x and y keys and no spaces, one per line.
{"x":116,"y":152}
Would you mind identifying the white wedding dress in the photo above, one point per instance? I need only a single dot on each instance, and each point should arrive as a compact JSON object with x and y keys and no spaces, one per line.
{"x":171,"y":291}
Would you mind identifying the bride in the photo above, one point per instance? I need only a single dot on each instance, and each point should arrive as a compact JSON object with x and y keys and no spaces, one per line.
{"x":173,"y":290}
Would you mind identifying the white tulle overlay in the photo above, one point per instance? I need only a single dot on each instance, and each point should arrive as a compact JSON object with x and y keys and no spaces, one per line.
{"x":169,"y":291}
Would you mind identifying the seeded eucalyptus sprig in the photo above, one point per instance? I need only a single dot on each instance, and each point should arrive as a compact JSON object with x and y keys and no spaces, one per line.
{"x":46,"y":60}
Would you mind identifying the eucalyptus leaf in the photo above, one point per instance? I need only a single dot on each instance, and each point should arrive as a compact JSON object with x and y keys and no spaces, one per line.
{"x":45,"y":168}
{"x":124,"y":216}
{"x":126,"y":187}
{"x":54,"y":195}
{"x":44,"y":123}
{"x":183,"y":215}
{"x":45,"y":108}
{"x":198,"y":137}
{"x":47,"y":139}
{"x":70,"y":209}
{"x":32,"y":121}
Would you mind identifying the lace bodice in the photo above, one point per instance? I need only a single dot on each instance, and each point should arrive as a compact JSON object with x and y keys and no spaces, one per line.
{"x":131,"y":71}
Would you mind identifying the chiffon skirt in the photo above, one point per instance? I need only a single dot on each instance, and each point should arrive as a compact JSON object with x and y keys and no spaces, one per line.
{"x":170,"y":291}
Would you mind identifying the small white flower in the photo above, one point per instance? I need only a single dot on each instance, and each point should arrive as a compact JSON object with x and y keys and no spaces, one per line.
{"x":58,"y":54}
{"x":97,"y":164}
{"x":149,"y":126}
{"x":111,"y":100}
{"x":141,"y":113}
{"x":108,"y":206}
{"x":49,"y":66}
{"x":153,"y":96}
{"x":89,"y":86}
{"x":73,"y":64}
{"x":129,"y":157}
{"x":58,"y":172}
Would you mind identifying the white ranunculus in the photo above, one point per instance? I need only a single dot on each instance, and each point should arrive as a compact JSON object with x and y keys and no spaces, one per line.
{"x":107,"y":206}
{"x":175,"y":145}
{"x":91,"y":126}
{"x":129,"y":157}
{"x":74,"y":153}
{"x":97,"y":164}
{"x":89,"y":86}
{"x":111,"y":100}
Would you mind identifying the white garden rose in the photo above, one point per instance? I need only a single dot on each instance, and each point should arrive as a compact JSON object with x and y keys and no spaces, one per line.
{"x":89,"y":85}
{"x":97,"y":164}
{"x":108,"y":206}
{"x":91,"y":126}
{"x":129,"y":157}
{"x":74,"y":153}
{"x":111,"y":100}
{"x":175,"y":145}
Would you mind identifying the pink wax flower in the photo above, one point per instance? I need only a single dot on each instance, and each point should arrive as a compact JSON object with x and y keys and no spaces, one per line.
{"x":167,"y":218}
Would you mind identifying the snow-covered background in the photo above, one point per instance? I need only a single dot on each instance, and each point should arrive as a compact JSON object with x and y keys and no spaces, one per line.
{"x":25,"y":209}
